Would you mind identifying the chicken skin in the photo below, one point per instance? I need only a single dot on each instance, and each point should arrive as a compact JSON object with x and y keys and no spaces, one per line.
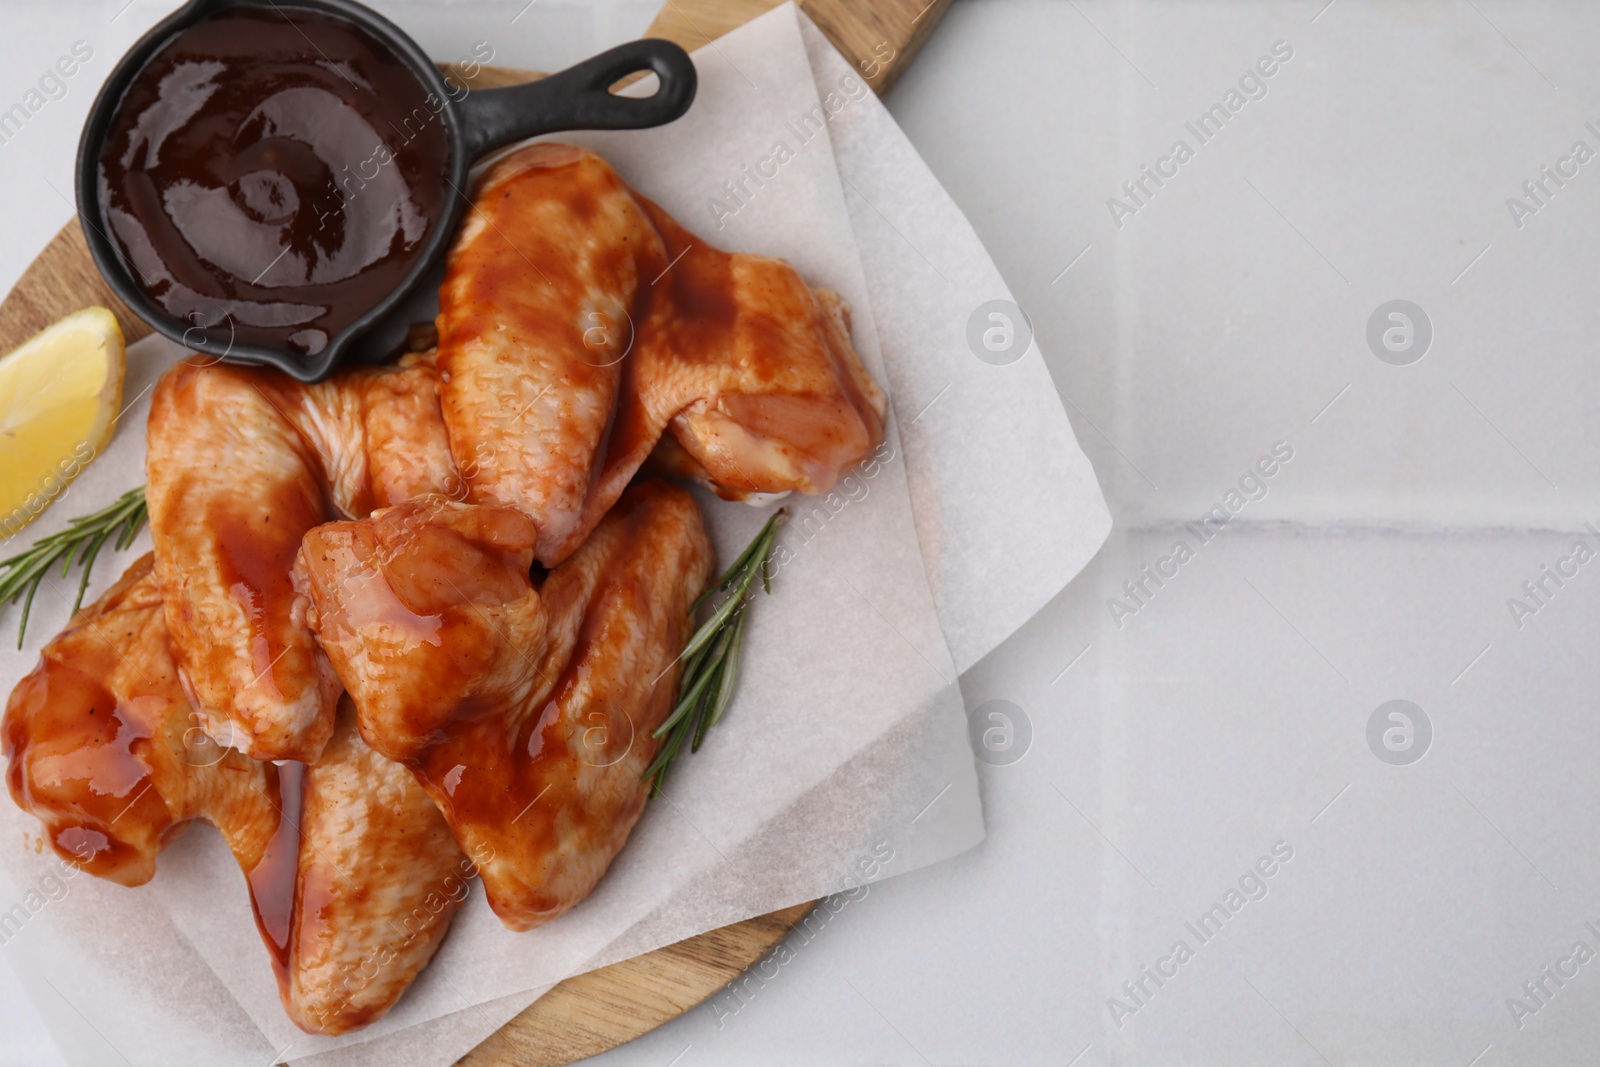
{"x":223,"y":556}
{"x":533,"y":326}
{"x":752,"y":371}
{"x":378,"y":881}
{"x":578,"y":321}
{"x":407,"y":448}
{"x":352,"y":871}
{"x":241,"y":463}
{"x":102,"y":746}
{"x":435,"y":589}
{"x":526,"y":714}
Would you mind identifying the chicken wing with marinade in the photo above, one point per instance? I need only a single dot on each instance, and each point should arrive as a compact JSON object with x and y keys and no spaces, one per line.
{"x":427,"y":613}
{"x":754,"y":369}
{"x":534,"y":321}
{"x":526,"y":714}
{"x":743,"y":379}
{"x":379,"y":880}
{"x":241,"y":463}
{"x":232,"y":487}
{"x":578,"y":323}
{"x":102,"y":746}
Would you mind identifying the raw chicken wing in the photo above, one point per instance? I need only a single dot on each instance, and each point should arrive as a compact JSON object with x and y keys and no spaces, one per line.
{"x":103,"y":748}
{"x":578,"y":322}
{"x":379,"y":880}
{"x":752,"y":370}
{"x":534,"y":321}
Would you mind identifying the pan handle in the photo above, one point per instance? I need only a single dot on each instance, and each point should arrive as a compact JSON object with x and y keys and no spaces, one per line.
{"x":580,"y":98}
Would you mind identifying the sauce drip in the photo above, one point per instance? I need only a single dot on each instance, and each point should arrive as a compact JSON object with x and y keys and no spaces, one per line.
{"x":273,"y":878}
{"x":272,"y":173}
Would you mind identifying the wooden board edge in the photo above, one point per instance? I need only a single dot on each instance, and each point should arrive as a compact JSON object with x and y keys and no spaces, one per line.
{"x":591,"y":1013}
{"x":61,"y":279}
{"x":865,"y":33}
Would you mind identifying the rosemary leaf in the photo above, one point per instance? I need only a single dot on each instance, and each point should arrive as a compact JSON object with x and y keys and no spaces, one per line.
{"x":80,"y":543}
{"x":711,"y":656}
{"x":730,"y":671}
{"x":688,"y":701}
{"x":702,"y":715}
{"x":87,"y":560}
{"x":27,"y":608}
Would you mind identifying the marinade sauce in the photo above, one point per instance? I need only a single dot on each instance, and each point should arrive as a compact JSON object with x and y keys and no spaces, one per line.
{"x":273,"y":172}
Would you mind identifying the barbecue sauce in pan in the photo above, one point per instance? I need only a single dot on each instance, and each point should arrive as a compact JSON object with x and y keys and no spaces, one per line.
{"x":274,"y":171}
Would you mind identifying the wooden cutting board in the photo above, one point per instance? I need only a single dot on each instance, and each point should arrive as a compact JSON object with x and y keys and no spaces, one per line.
{"x":593,"y":1012}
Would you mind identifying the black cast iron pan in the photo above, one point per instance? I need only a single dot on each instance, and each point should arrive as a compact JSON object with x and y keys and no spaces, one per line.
{"x":477,"y":122}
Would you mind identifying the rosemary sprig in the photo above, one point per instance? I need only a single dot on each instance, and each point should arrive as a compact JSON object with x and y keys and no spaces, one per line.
{"x":711,"y":658}
{"x":81,"y":541}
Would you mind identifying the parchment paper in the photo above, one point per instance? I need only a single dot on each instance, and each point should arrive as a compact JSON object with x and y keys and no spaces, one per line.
{"x":844,"y":757}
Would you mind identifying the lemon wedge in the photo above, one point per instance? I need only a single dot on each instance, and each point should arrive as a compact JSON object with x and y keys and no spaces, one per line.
{"x":59,"y":398}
